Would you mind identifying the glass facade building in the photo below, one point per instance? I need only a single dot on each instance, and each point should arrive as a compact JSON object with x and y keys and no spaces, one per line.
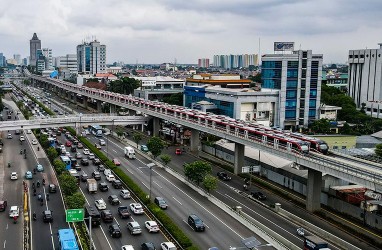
{"x":298,"y":77}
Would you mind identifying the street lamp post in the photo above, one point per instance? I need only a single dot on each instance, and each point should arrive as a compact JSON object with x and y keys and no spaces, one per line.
{"x":150,"y":166}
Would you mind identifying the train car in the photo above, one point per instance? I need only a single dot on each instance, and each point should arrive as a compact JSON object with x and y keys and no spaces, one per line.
{"x":316,"y":144}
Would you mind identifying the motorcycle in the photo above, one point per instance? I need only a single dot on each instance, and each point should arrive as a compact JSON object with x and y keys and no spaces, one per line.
{"x":34,"y":216}
{"x":25,"y":156}
{"x":43,"y":182}
{"x":14,"y":219}
{"x":9,"y":164}
{"x":21,"y":151}
{"x":38,"y":184}
{"x":41,"y":203}
{"x":245,"y":187}
{"x":34,"y":171}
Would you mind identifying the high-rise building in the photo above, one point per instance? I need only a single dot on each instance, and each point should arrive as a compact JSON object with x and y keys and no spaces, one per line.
{"x":67,"y":62}
{"x":365,"y":79}
{"x":47,"y":53}
{"x":235,"y":61}
{"x":17,"y":58}
{"x":35,"y":44}
{"x":2,"y":60}
{"x":298,"y":77}
{"x":40,"y":61}
{"x":91,"y":58}
{"x":203,"y":63}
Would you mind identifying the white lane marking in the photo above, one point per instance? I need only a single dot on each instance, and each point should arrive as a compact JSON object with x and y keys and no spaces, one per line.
{"x":206,"y":225}
{"x":115,"y":151}
{"x":177,"y":201}
{"x":158,"y":184}
{"x":144,"y":184}
{"x":276,"y":225}
{"x":6,"y":226}
{"x":5,"y":242}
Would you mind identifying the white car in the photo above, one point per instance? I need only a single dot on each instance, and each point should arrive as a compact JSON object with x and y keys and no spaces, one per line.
{"x":86,"y":151}
{"x":100,"y":204}
{"x":127,"y":247}
{"x":136,"y":208}
{"x":110,"y":177}
{"x":29,"y":131}
{"x":9,"y":136}
{"x":102,"y":142}
{"x":152,"y":226}
{"x":167,"y":246}
{"x":107,"y":172}
{"x":14,"y":176}
{"x":14,"y":211}
{"x":125,"y":194}
{"x":34,"y":142}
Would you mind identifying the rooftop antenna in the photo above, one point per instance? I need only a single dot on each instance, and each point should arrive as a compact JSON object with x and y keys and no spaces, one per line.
{"x":259,"y":55}
{"x":300,"y":46}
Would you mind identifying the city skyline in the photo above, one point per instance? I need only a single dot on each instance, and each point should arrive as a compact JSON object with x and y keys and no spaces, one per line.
{"x":150,"y":31}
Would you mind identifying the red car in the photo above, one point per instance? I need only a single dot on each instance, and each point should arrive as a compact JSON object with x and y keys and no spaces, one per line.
{"x":178,"y":151}
{"x":116,"y":162}
{"x":68,"y":143}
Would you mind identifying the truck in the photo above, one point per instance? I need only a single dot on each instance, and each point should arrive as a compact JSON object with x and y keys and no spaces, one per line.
{"x":129,"y":152}
{"x":312,"y":242}
{"x":91,"y":185}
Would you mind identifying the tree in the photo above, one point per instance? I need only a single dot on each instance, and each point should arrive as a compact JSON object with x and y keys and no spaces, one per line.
{"x":125,"y":85}
{"x":44,"y":141}
{"x":155,"y":145}
{"x":137,"y":137}
{"x":52,"y":153}
{"x":68,"y":184}
{"x":363,"y":107}
{"x":166,"y":159}
{"x":77,"y":200}
{"x":210,"y":183}
{"x":174,"y":99}
{"x":321,"y":126}
{"x":378,"y":150}
{"x":197,"y":170}
{"x":59,"y":166}
{"x":119,"y":132}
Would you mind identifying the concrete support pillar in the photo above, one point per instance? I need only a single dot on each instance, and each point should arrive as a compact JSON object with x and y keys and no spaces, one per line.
{"x":194,"y":140}
{"x":85,"y":102}
{"x":156,"y":126}
{"x":313,"y":201}
{"x":99,"y":105}
{"x":113,"y":108}
{"x":239,"y":158}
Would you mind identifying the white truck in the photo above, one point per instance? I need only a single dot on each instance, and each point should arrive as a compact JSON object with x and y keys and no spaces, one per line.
{"x":91,"y":185}
{"x":129,"y":152}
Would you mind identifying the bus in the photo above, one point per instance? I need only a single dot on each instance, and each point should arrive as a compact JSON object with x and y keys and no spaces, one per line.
{"x":67,"y":239}
{"x":66,"y":160}
{"x":95,"y":130}
{"x":312,"y":242}
{"x":91,"y":211}
{"x":52,"y":142}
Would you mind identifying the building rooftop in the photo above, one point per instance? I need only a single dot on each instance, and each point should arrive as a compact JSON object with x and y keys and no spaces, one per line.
{"x":158,"y":78}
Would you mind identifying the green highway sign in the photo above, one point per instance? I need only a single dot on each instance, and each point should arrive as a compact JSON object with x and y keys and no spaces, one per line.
{"x":74,"y":215}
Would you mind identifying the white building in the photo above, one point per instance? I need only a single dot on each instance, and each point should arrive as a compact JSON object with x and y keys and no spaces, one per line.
{"x":235,"y":61}
{"x":48,"y":58}
{"x":67,"y":62}
{"x":155,"y":88}
{"x":17,"y":57}
{"x":91,"y":58}
{"x":365,"y":79}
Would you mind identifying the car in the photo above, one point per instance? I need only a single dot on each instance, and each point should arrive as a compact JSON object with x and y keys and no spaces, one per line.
{"x":167,"y":246}
{"x":134,"y":227}
{"x":73,"y":149}
{"x":136,"y":208}
{"x":97,"y":146}
{"x":101,"y":168}
{"x":148,"y":246}
{"x":96,"y":175}
{"x":107,"y":172}
{"x":17,"y":132}
{"x":28,"y":175}
{"x":79,"y":145}
{"x":115,"y":231}
{"x":3,"y":205}
{"x":116,"y":162}
{"x":14,"y":176}
{"x":84,"y":177}
{"x":127,"y":247}
{"x":76,"y":166}
{"x":300,"y":231}
{"x":91,"y":156}
{"x":67,"y":153}
{"x":52,"y":188}
{"x":110,"y":177}
{"x":107,"y":216}
{"x":117,"y":184}
{"x":259,"y":196}
{"x":223,"y":176}
{"x":75,"y":142}
{"x":39,"y":168}
{"x":68,"y":143}
{"x":22,"y":138}
{"x":47,"y":216}
{"x":123,"y":212}
{"x":125,"y":194}
{"x":29,"y":131}
{"x":78,"y":155}
{"x":84,"y":162}
{"x":102,"y":142}
{"x":9,"y":136}
{"x":14,"y":211}
{"x":196,"y":223}
{"x":34,"y":142}
{"x":113,"y":199}
{"x":96,"y":161}
{"x":100,"y":204}
{"x":151,"y":226}
{"x":103,"y":187}
{"x":144,"y":148}
{"x":160,"y":202}
{"x":178,"y":151}
{"x":86,"y":151}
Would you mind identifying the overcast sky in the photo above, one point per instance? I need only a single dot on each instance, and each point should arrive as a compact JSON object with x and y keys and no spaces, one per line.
{"x":156,"y":31}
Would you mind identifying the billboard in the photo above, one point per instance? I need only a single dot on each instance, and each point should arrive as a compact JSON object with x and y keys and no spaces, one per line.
{"x":283,"y":46}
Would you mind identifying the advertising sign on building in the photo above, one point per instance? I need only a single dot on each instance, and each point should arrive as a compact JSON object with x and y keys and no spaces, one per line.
{"x":283,"y":46}
{"x":146,"y":83}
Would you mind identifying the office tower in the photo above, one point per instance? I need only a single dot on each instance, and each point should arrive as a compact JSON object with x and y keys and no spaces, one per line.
{"x":40,"y":61}
{"x":365,"y":78}
{"x":91,"y":58}
{"x":17,"y":58}
{"x":2,"y":60}
{"x":68,"y":62}
{"x":203,"y":63}
{"x":235,"y":61}
{"x":48,"y":58}
{"x":35,"y":44}
{"x":298,"y":77}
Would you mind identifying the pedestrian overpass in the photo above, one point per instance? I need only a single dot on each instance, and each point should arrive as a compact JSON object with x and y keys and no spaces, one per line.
{"x":73,"y":121}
